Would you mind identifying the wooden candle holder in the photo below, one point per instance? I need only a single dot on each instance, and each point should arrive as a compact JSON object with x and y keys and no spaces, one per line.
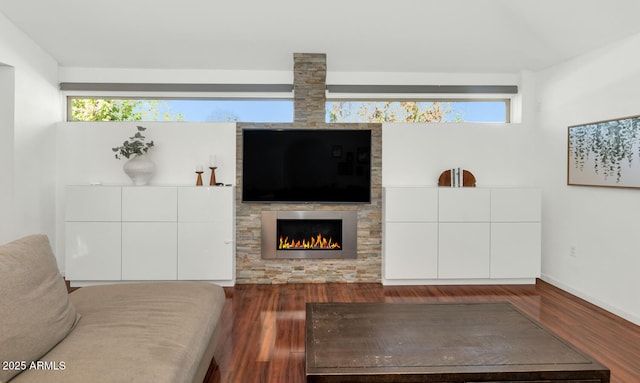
{"x":199,"y":180}
{"x":212,"y":182}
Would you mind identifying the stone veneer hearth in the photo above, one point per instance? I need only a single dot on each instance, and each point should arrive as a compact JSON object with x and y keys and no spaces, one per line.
{"x":309,"y":113}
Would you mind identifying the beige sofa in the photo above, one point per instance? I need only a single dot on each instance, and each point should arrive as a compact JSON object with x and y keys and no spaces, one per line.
{"x":146,"y":332}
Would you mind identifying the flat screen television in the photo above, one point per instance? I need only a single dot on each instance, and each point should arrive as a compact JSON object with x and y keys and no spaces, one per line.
{"x":306,"y":165}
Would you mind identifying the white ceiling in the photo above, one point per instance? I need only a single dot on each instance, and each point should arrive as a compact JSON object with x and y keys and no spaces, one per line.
{"x":357,"y":35}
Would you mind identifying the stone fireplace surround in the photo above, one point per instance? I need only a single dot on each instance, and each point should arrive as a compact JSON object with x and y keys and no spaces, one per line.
{"x":309,"y":85}
{"x":366,"y":267}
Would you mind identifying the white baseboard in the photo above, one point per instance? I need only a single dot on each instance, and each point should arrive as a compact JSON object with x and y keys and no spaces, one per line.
{"x":612,"y":309}
{"x":468,"y":281}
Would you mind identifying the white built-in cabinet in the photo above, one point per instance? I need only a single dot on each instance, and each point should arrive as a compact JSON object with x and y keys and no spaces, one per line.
{"x":464,"y":233}
{"x":93,"y":233}
{"x":411,"y":233}
{"x":149,"y":233}
{"x":206,"y":231}
{"x":122,"y":233}
{"x":515,"y":233}
{"x":461,"y":235}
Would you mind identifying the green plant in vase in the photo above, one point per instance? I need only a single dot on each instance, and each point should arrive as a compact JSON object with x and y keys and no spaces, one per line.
{"x":138,"y":167}
{"x":134,"y":145}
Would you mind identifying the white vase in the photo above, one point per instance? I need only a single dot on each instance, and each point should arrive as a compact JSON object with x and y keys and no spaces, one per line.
{"x":140,"y":169}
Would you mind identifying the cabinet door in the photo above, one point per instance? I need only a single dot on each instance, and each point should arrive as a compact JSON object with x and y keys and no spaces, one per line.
{"x":411,"y":250}
{"x":149,"y":251}
{"x":515,"y":250}
{"x":411,"y":204}
{"x":92,"y":251}
{"x":463,"y":250}
{"x":206,"y":230}
{"x":205,"y":251}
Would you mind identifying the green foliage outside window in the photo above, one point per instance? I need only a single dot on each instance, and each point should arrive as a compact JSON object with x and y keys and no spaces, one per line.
{"x":92,"y":109}
{"x":390,"y":111}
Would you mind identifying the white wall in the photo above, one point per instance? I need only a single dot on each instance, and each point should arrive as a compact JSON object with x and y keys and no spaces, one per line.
{"x":85,"y":156}
{"x":601,"y":224}
{"x":496,"y":154}
{"x":178,"y":76}
{"x":7,"y":106}
{"x":36,"y":110}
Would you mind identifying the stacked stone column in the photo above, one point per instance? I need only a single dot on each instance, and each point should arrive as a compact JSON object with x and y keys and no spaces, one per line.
{"x":309,"y":86}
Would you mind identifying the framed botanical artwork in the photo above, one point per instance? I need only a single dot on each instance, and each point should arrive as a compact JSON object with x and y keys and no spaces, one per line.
{"x":605,"y":153}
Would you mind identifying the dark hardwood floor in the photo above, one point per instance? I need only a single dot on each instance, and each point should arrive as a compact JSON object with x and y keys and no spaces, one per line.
{"x":263,"y":334}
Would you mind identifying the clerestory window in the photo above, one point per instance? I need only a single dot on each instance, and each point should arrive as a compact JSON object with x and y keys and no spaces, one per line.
{"x":274,"y":103}
{"x":437,"y":110}
{"x":188,"y":110}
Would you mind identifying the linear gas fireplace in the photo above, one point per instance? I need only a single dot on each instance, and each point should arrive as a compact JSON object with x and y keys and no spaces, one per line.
{"x":309,"y":234}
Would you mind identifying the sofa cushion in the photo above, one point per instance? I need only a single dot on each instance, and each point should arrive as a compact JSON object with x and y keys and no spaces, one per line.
{"x":36,"y":313}
{"x":146,"y":332}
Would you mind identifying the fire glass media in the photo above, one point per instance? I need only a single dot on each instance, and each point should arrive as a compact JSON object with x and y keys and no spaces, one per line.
{"x":309,"y":234}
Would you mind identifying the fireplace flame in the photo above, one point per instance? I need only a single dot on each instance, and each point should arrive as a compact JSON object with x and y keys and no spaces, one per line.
{"x":317,"y":242}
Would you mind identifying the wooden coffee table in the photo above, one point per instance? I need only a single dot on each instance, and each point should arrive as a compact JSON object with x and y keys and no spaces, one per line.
{"x":476,"y":342}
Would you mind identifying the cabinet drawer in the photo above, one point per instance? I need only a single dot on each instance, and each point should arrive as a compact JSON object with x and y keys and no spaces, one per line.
{"x":515,"y":205}
{"x":93,"y":203}
{"x":464,"y":205}
{"x":411,"y":204}
{"x":205,"y":204}
{"x":149,"y":204}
